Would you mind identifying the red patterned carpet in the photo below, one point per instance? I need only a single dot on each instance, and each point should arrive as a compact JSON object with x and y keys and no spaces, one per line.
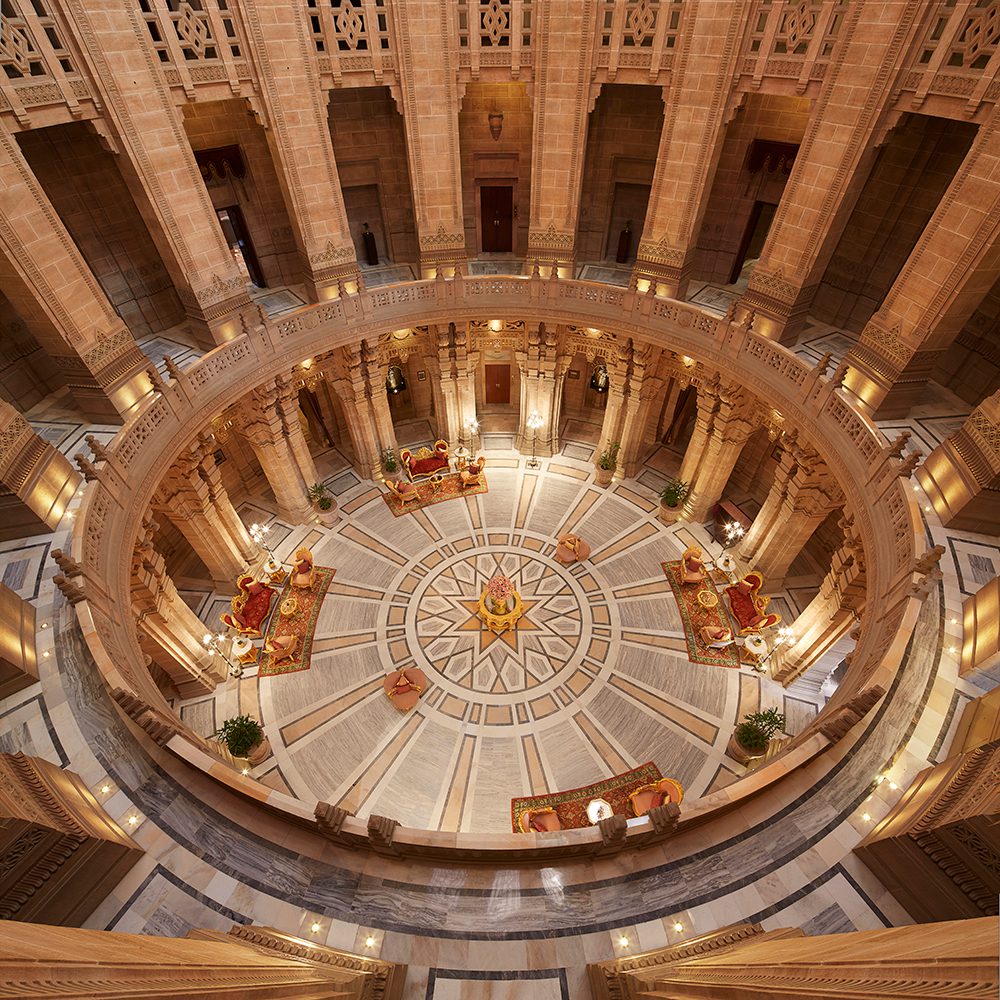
{"x":571,"y":806}
{"x":695,"y":617}
{"x":449,"y":488}
{"x":302,"y":623}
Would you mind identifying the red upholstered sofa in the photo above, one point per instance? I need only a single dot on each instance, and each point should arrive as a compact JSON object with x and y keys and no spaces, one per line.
{"x":748,"y":607}
{"x":425,"y":462}
{"x":250,"y":606}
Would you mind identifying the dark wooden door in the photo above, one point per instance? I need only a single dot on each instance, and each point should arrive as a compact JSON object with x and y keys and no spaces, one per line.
{"x":497,"y":217}
{"x":497,"y":385}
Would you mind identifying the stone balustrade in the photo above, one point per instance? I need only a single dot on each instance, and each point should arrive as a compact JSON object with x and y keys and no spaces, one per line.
{"x":884,"y":513}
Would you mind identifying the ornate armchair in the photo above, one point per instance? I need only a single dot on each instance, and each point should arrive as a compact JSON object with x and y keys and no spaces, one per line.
{"x":716,"y":636}
{"x":571,"y":549}
{"x":282,"y":647}
{"x":539,"y":821}
{"x":303,"y":572}
{"x":650,"y":796}
{"x":692,"y":565}
{"x":424,"y":461}
{"x":749,"y":606}
{"x":403,"y":687}
{"x":404,"y":492}
{"x":250,"y":606}
{"x":472,"y":474}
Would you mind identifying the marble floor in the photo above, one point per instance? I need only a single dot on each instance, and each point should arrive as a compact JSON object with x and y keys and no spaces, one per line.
{"x":520,"y":932}
{"x":594,"y":681}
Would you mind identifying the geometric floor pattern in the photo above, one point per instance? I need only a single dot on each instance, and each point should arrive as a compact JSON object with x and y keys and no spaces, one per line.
{"x":595,"y":680}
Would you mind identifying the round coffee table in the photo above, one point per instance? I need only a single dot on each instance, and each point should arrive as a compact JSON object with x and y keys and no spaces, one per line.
{"x":598,"y":809}
{"x":707,"y":599}
{"x":289,"y":606}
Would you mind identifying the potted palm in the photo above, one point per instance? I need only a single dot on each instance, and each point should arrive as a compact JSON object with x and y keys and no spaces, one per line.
{"x":244,"y":738}
{"x":390,"y":464}
{"x":324,"y":503}
{"x":607,"y":463}
{"x":751,"y":737}
{"x":671,"y":497}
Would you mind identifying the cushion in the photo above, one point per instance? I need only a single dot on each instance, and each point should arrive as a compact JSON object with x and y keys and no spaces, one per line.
{"x":421,"y":466}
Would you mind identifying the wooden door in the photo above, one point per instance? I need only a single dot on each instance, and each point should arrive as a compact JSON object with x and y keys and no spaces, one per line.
{"x":497,"y":385}
{"x":496,"y":205}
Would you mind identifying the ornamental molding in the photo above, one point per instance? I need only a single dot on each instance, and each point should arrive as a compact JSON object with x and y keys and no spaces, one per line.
{"x":887,"y":343}
{"x":661,"y":253}
{"x":774,"y":285}
{"x":442,"y":240}
{"x":331,"y":254}
{"x":550,"y":239}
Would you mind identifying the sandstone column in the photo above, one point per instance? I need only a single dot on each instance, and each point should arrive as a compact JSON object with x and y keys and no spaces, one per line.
{"x":54,"y":291}
{"x":801,"y":497}
{"x":18,"y":659}
{"x":961,"y":476}
{"x":846,"y":123}
{"x":563,"y":50}
{"x":375,"y":373}
{"x":725,"y":421}
{"x":298,"y":134}
{"x":430,"y":103}
{"x":144,"y":125}
{"x":645,"y":395}
{"x":205,"y":517}
{"x":697,"y":109}
{"x":540,"y":390}
{"x":347,"y":379}
{"x":951,"y":270}
{"x":259,"y":419}
{"x":291,"y":422}
{"x":38,"y":480}
{"x":169,"y":631}
{"x":450,"y":413}
{"x":840,"y":600}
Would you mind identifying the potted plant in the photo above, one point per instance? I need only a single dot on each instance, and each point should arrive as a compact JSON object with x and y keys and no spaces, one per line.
{"x":671,"y":497}
{"x":390,"y":464}
{"x":751,"y":737}
{"x":324,"y":503}
{"x":607,"y":463}
{"x":244,"y":738}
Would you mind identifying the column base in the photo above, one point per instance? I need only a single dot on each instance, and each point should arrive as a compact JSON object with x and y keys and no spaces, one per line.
{"x":670,"y":273}
{"x":780,"y":307}
{"x":322,"y":283}
{"x":220,"y":314}
{"x":887,"y":388}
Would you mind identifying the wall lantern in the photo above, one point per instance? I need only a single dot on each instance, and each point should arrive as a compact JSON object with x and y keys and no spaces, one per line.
{"x":395,"y":383}
{"x":599,"y":381}
{"x":496,"y":124}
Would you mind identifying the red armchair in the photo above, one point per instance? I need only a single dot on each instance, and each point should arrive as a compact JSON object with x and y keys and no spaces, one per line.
{"x":403,"y":687}
{"x":539,"y":821}
{"x":748,"y":606}
{"x":692,"y":565}
{"x":425,"y":462}
{"x":650,"y":796}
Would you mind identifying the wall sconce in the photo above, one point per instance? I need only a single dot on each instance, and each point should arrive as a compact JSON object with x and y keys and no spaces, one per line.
{"x":599,"y":380}
{"x":495,"y":119}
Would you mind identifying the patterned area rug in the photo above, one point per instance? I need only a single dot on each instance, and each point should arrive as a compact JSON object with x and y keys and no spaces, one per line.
{"x":696,"y":617}
{"x":571,"y":806}
{"x":449,"y":489}
{"x":301,"y":623}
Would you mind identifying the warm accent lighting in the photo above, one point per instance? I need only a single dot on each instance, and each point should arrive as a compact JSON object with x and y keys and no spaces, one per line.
{"x":105,"y":789}
{"x":893,"y":785}
{"x":315,"y":928}
{"x":678,"y":927}
{"x":395,"y":382}
{"x":370,"y":941}
{"x":496,"y":325}
{"x":600,"y":381}
{"x":46,"y":654}
{"x":46,"y":624}
{"x":132,"y":820}
{"x":623,"y":941}
{"x":244,"y":771}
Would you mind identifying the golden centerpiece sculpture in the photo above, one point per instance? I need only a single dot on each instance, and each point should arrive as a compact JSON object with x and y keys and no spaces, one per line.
{"x":500,"y":605}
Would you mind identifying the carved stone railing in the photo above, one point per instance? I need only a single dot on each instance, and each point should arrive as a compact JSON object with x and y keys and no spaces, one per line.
{"x":884,"y":513}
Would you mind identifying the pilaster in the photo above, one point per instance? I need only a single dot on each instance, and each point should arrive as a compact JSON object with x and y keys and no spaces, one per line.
{"x":540,"y":389}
